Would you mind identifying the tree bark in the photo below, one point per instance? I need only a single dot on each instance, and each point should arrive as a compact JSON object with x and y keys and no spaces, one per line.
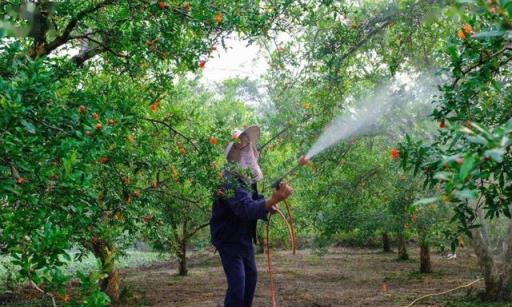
{"x":182,"y":250}
{"x":111,"y":284}
{"x":402,"y":248}
{"x":385,"y":242}
{"x":182,"y":259}
{"x":425,"y":264}
{"x":497,"y":272}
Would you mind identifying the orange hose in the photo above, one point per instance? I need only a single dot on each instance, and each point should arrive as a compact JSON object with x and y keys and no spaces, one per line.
{"x":290,"y":229}
{"x":290,"y":220}
{"x":291,"y":232}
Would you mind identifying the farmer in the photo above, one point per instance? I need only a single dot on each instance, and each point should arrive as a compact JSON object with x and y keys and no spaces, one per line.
{"x":234,"y":217}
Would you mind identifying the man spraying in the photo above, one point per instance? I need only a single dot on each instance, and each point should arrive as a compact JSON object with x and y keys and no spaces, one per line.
{"x":234,"y":217}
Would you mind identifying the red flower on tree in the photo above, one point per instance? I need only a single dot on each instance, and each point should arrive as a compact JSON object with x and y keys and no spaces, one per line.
{"x":394,"y":153}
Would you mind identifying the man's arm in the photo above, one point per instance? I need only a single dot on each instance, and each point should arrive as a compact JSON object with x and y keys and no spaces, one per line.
{"x":245,"y":207}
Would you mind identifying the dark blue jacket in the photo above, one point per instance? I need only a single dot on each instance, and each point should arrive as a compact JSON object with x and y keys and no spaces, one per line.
{"x":234,"y":216}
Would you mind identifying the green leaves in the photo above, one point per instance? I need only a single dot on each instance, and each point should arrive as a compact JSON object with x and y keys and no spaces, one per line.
{"x":68,"y":162}
{"x":467,"y":167}
{"x":470,"y":159}
{"x":73,"y":129}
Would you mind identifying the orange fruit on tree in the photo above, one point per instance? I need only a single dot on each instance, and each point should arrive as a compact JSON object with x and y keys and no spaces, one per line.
{"x":213,"y":140}
{"x":136,"y":193}
{"x":461,"y":35}
{"x":218,"y":17}
{"x":467,"y":28}
{"x":98,"y":126}
{"x":95,"y":116}
{"x":161,"y":4}
{"x":111,"y":122}
{"x":154,"y":105}
{"x":104,"y":160}
{"x":126,"y":181}
{"x":202,"y":64}
{"x":83,"y":109}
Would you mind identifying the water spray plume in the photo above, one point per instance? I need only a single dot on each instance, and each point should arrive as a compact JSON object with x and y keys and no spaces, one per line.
{"x":402,"y":102}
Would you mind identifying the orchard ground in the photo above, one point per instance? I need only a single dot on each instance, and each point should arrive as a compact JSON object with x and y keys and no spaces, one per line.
{"x":340,"y":277}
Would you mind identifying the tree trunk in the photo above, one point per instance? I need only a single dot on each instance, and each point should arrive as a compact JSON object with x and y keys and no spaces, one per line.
{"x":497,"y":279}
{"x":402,"y":248}
{"x":425,"y":264}
{"x":385,"y":242}
{"x":182,"y":249}
{"x":110,"y":285}
{"x":106,"y":254}
{"x":182,"y":259}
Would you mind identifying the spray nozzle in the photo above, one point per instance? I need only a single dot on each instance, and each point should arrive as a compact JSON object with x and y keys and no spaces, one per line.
{"x":303,"y":160}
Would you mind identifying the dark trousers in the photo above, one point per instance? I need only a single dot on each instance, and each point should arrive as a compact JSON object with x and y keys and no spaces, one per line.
{"x":241,"y":274}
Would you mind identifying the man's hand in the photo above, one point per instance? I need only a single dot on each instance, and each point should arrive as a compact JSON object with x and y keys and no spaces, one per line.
{"x":278,"y":195}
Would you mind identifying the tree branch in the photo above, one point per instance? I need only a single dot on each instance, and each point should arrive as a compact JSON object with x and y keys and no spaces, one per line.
{"x":66,"y":34}
{"x":189,"y":235}
{"x":480,"y":63}
{"x":82,"y":58}
{"x":363,"y":41}
{"x":42,"y":291}
{"x":172,"y":129}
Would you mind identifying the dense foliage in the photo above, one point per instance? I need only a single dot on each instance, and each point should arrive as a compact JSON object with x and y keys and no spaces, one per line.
{"x":107,"y":137}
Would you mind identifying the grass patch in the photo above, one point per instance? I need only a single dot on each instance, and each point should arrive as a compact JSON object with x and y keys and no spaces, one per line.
{"x":132,"y":259}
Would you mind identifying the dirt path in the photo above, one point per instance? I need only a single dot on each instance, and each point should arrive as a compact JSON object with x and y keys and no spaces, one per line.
{"x":342,"y":277}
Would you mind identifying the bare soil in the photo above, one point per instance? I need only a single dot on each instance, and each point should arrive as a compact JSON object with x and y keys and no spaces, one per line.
{"x":342,"y":277}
